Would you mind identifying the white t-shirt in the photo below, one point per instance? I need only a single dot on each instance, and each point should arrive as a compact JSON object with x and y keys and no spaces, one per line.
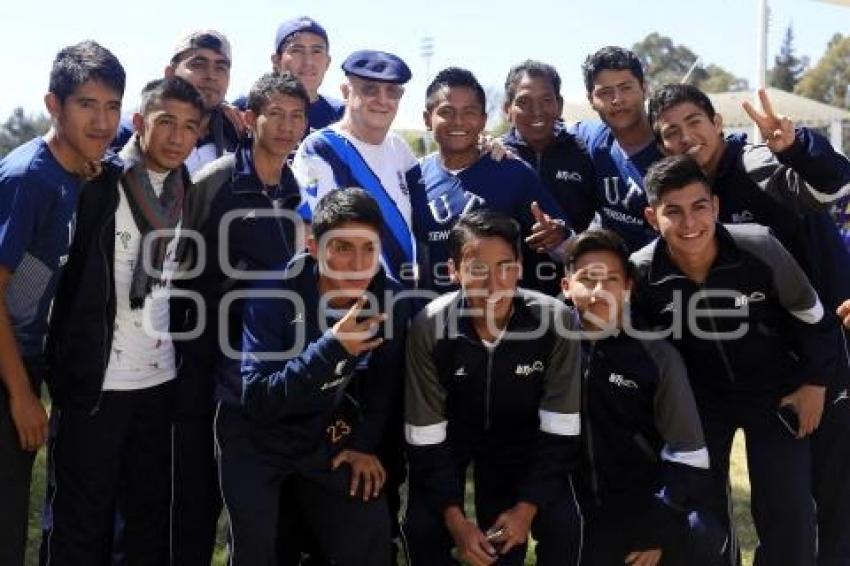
{"x":390,"y":161}
{"x":138,"y":360}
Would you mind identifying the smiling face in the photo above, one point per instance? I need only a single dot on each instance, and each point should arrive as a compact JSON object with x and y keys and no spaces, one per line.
{"x":85,"y":123}
{"x":599,"y":287}
{"x":370,"y":107}
{"x":168,"y":133}
{"x":489,"y":272}
{"x":534,"y":109}
{"x":686,"y":219}
{"x":207,"y":70}
{"x":686,"y":129}
{"x":618,"y":97}
{"x":305,"y":55}
{"x":457,"y":119}
{"x":279,"y":126}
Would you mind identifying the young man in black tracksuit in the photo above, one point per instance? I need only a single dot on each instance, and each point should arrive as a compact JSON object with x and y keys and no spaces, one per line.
{"x":645,"y":468}
{"x":315,"y":406}
{"x":250,"y":196}
{"x":493,"y":381}
{"x":112,"y":357}
{"x":533,"y":106}
{"x":752,"y":332}
{"x":786,"y":184}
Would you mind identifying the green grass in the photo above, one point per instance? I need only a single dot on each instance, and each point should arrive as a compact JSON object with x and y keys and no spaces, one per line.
{"x":740,"y":497}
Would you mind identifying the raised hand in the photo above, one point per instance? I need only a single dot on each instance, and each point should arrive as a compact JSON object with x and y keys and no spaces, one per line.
{"x":777,"y":131}
{"x":546,"y":233}
{"x":356,"y":337}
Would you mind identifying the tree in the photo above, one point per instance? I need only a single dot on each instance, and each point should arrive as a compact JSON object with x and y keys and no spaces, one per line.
{"x":787,"y":68}
{"x":20,"y":128}
{"x":665,"y":62}
{"x":828,"y":80}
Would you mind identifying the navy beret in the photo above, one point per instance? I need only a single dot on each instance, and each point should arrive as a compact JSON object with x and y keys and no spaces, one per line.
{"x":376,"y":66}
{"x":297,"y":25}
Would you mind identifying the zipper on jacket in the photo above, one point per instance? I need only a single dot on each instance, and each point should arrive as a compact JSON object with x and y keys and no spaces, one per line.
{"x":723,"y":357}
{"x":106,"y":341}
{"x":585,"y":407}
{"x":538,"y":158}
{"x":489,"y":386}
{"x":275,"y":207}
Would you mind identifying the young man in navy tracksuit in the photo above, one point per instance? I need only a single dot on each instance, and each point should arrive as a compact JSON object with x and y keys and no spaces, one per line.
{"x":458,"y":179}
{"x":250,"y":196}
{"x":533,"y":106}
{"x":39,"y":185}
{"x":644,"y":473}
{"x":493,"y":381}
{"x":112,"y":356}
{"x":621,"y":144}
{"x":319,"y":392}
{"x":787,"y":184}
{"x":752,"y":332}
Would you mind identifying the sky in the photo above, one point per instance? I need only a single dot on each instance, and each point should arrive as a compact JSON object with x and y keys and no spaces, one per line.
{"x":485,"y":36}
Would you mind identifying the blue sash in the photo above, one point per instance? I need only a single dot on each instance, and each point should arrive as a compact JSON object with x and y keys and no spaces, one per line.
{"x":396,"y":240}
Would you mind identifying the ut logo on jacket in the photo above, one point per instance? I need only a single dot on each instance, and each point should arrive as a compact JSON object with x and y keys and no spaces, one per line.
{"x":442,"y":210}
{"x":612,"y":191}
{"x":525,"y":370}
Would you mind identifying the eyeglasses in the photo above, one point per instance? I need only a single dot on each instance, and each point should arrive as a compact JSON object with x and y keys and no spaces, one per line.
{"x":370,"y":89}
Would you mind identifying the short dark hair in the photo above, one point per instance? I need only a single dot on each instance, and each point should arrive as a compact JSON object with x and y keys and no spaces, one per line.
{"x":483,"y":223}
{"x":85,"y":61}
{"x":341,"y":206}
{"x":171,"y":88}
{"x":673,"y":173}
{"x":452,"y":77}
{"x":534,"y":69}
{"x":671,"y":95}
{"x":610,"y":58}
{"x":599,"y":240}
{"x":280,"y":83}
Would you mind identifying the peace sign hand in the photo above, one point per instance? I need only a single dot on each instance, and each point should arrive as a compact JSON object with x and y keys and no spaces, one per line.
{"x":358,"y":336}
{"x":777,"y":131}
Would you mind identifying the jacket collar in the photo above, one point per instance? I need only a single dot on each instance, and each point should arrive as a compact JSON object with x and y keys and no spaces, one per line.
{"x":521,"y":317}
{"x":245,"y":179}
{"x":513,"y":137}
{"x":663,"y":269}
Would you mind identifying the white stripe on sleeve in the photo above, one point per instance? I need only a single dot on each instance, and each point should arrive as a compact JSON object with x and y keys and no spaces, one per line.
{"x":563,"y":424}
{"x":425,"y":435}
{"x":693,"y":458}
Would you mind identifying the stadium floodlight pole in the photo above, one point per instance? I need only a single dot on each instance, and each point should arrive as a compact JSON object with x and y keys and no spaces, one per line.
{"x":761,"y":58}
{"x":687,"y":76}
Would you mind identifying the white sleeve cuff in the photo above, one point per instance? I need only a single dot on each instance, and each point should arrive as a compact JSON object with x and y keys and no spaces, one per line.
{"x":562,"y":424}
{"x":694,"y":458}
{"x":425,"y":435}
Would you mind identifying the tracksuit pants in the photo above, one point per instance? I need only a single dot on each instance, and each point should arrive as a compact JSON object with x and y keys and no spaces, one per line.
{"x":831,"y":479}
{"x":15,"y":475}
{"x":614,"y":530}
{"x":114,"y":458}
{"x":780,"y":479}
{"x":556,"y":527}
{"x":348,"y":530}
{"x":196,"y":497}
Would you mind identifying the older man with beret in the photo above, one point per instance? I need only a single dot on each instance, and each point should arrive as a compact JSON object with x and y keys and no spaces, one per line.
{"x":360,"y":151}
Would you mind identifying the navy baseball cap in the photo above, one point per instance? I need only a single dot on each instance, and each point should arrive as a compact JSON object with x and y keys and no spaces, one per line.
{"x":297,"y":25}
{"x":377,"y":66}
